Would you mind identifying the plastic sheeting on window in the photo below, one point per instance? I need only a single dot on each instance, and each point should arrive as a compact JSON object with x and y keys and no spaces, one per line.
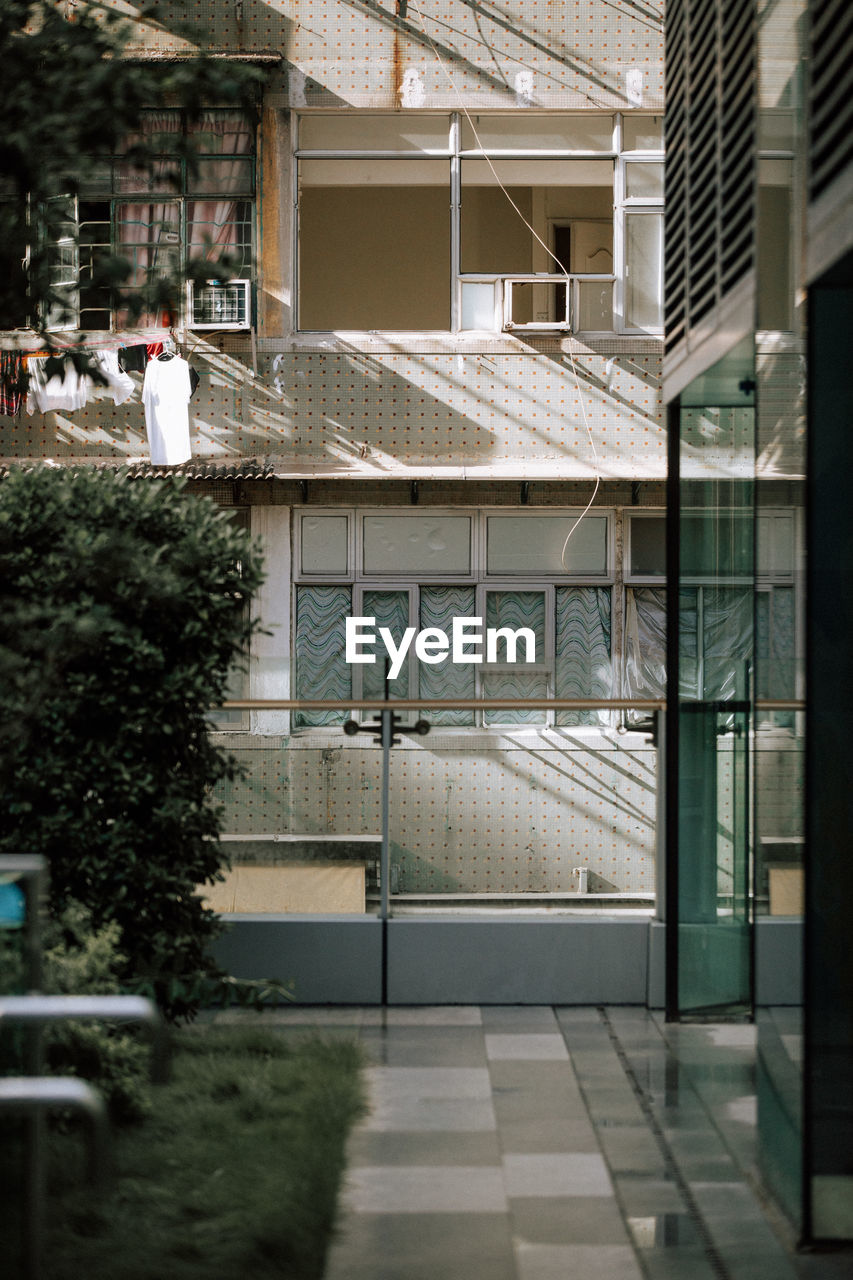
{"x":320,"y":641}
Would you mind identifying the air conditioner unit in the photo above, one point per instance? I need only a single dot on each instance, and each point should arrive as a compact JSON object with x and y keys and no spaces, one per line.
{"x":219,"y":306}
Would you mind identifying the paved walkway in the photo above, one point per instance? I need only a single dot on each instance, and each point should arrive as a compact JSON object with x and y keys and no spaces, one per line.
{"x":530,"y":1143}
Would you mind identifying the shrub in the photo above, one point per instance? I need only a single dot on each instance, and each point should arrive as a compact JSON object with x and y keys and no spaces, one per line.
{"x":123,"y":605}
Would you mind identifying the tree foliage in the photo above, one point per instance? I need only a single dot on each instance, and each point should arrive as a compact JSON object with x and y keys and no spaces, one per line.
{"x":122,"y":607}
{"x":68,"y":98}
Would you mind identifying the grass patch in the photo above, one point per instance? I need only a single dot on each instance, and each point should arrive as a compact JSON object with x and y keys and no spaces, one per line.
{"x":235,"y":1172}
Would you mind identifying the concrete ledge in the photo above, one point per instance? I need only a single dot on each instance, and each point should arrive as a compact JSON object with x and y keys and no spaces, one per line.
{"x":462,"y":960}
{"x":330,"y":959}
{"x":488,"y":960}
{"x":778,"y":960}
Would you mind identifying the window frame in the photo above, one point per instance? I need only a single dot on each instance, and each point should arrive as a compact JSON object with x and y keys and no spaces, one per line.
{"x":359,"y":581}
{"x":110,"y":194}
{"x":501,"y":282}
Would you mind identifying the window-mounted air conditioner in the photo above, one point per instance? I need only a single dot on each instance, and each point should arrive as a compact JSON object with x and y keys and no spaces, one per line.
{"x":215,"y":305}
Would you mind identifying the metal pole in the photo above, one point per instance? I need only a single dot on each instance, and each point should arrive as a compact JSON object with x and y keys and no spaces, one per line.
{"x":385,"y":852}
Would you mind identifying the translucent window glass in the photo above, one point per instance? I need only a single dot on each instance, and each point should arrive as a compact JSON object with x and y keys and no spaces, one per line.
{"x":644,"y":270}
{"x":648,"y":547}
{"x":775,"y":544}
{"x":324,"y":544}
{"x":438,"y":607}
{"x":357,"y":132}
{"x":417,"y":544}
{"x":389,"y":609}
{"x":514,"y":610}
{"x":644,"y":181}
{"x":522,"y":132}
{"x":642,"y":133}
{"x":478,"y":305}
{"x":547,"y":544}
{"x":320,"y":643}
{"x":582,"y":664}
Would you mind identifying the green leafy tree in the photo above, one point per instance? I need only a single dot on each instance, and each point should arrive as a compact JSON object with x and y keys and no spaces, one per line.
{"x":123,"y":605}
{"x":68,"y":98}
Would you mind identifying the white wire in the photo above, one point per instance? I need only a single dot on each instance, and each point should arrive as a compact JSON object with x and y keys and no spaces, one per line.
{"x":550,"y":253}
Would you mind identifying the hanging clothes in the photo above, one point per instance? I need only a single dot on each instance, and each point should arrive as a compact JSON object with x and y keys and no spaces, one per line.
{"x":120,"y":384}
{"x":133,"y":359}
{"x":11,"y":396}
{"x":166,"y":393}
{"x":68,"y":390}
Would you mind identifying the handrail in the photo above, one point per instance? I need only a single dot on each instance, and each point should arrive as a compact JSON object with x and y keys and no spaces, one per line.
{"x":39,"y":1010}
{"x":48,"y":1093}
{"x":439,"y":704}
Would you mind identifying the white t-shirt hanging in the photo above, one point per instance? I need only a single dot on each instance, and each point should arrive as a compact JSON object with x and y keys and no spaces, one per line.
{"x":166,"y":394}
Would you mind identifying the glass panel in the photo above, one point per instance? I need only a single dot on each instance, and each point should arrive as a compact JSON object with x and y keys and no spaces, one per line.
{"x":418,"y":544}
{"x":595,"y":306}
{"x":715,"y":547}
{"x":644,"y":270}
{"x":391,"y":610}
{"x":713,"y":907}
{"x":375,"y":256}
{"x":223,"y":177}
{"x":715,"y":620}
{"x":514,"y":610}
{"x":478,"y":305}
{"x":324,"y":544}
{"x":439,"y":606}
{"x":522,"y":132}
{"x":642,"y":133}
{"x":582,"y":663}
{"x":217,"y":227}
{"x":647,"y":546}
{"x":644,"y":181}
{"x":357,"y":132}
{"x":222,"y":133}
{"x":547,"y":544}
{"x":320,"y":642}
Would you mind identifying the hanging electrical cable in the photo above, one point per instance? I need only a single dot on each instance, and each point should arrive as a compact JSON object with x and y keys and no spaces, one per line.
{"x":414,"y":7}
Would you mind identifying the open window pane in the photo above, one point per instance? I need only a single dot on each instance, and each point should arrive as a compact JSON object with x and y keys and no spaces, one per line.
{"x":568,"y":203}
{"x":417,"y":544}
{"x":374,"y":245}
{"x":643,"y":270}
{"x":547,"y":544}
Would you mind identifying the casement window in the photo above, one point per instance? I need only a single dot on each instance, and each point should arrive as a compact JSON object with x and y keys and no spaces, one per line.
{"x":161,"y":219}
{"x":486,"y":222}
{"x":542,"y":572}
{"x":719,"y":620}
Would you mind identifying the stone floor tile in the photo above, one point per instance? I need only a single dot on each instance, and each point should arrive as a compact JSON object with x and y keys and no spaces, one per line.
{"x":434,"y":1016}
{"x":528,"y":1047}
{"x":425,"y":1046}
{"x":424,"y":1189}
{"x":411,"y":1246}
{"x":591,"y":1261}
{"x":556,"y":1174}
{"x":518,"y":1018}
{"x":568,"y":1220}
{"x":386,"y":1147}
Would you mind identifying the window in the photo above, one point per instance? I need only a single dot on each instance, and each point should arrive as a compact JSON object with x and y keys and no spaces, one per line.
{"x":165,"y":216}
{"x":534,"y":574}
{"x":423,"y":222}
{"x":716,"y":621}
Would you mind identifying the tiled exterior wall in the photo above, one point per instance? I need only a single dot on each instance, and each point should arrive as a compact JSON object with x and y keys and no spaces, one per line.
{"x":502,"y":813}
